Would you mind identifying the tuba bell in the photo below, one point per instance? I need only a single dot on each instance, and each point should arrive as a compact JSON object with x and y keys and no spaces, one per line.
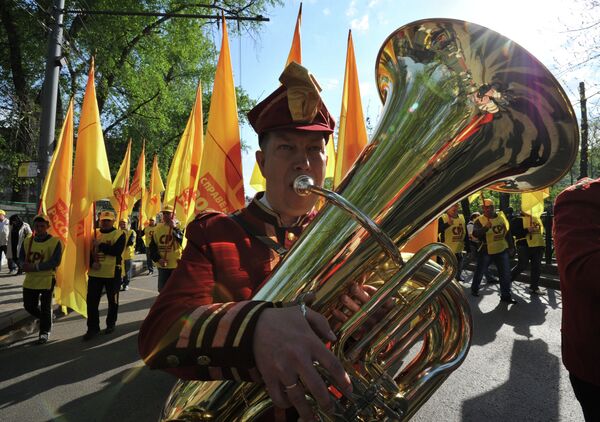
{"x":465,"y":109}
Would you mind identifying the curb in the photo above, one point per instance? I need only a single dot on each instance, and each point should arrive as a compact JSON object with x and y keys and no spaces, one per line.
{"x":21,"y":317}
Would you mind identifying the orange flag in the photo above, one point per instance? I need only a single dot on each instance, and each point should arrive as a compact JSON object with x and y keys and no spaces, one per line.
{"x":257,"y":181}
{"x":220,"y":185}
{"x":156,"y":188}
{"x":137,"y":189}
{"x":120,"y":197}
{"x":91,"y":182}
{"x":56,"y":197}
{"x":352,"y":136}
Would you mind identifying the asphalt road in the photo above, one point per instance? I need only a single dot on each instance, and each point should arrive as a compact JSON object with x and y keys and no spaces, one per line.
{"x":513,"y":371}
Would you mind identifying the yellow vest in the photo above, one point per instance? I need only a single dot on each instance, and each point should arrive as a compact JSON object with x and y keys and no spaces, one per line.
{"x":536,"y":237}
{"x":108,"y":263}
{"x":129,"y":250}
{"x":495,"y":237}
{"x":454,"y":235}
{"x":148,"y":231}
{"x":167,"y":246}
{"x":36,"y":253}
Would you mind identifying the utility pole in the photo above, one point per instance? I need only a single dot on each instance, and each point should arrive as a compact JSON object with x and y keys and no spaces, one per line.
{"x":50,"y":94}
{"x":583,"y":163}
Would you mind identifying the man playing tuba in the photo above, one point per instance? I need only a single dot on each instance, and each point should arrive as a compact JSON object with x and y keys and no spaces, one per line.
{"x":204,"y":324}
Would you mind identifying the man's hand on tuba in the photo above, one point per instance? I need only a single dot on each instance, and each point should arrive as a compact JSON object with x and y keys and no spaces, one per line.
{"x":286,"y":344}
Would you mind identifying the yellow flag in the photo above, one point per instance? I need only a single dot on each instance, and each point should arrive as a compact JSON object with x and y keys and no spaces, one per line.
{"x":196,"y":159}
{"x":533,"y":202}
{"x":55,"y":201}
{"x":352,"y":136}
{"x":91,"y":182}
{"x":257,"y":181}
{"x":473,"y":197}
{"x":153,"y":203}
{"x":120,"y":197}
{"x":220,"y":185}
{"x":183,"y":173}
{"x":137,"y":189}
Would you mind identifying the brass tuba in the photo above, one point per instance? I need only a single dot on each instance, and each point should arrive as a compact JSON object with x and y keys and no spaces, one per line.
{"x":465,"y":108}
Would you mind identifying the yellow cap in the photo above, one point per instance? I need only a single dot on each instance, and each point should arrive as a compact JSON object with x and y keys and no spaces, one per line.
{"x":488,"y":203}
{"x":167,"y":208}
{"x":107,"y":215}
{"x":42,"y":217}
{"x":2,"y":212}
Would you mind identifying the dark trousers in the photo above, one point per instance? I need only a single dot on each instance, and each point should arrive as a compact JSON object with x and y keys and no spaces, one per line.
{"x":527,"y":254}
{"x":588,"y":396}
{"x":128,"y":273}
{"x":149,"y":262}
{"x":163,"y":276}
{"x":501,"y":260}
{"x":95,"y":286}
{"x":38,"y":302}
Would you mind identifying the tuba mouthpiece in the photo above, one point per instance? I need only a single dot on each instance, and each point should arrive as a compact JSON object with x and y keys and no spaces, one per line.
{"x":302,"y":185}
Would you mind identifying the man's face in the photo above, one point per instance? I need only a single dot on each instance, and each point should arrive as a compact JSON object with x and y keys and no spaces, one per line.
{"x":40,"y":227}
{"x":287,"y":155}
{"x":152,"y":223}
{"x":453,"y":211}
{"x":122,"y":225}
{"x":488,"y":211}
{"x":106,"y":224}
{"x":2,"y":217}
{"x":167,"y":216}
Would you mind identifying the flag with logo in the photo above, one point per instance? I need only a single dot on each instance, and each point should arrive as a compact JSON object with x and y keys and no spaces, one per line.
{"x":120,"y":197}
{"x":197,"y":139}
{"x":91,"y":182}
{"x":221,"y":185}
{"x":56,"y":197}
{"x":352,"y":136}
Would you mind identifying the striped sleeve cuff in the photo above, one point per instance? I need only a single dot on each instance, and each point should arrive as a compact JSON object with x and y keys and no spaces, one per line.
{"x":217,"y":340}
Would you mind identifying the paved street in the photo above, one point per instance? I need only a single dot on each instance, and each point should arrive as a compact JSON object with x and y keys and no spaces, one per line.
{"x":513,"y":371}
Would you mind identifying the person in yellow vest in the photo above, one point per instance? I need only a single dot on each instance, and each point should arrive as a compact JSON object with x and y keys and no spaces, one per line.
{"x":105,"y":273}
{"x":148,"y":232}
{"x":127,"y":254}
{"x":452,"y":232}
{"x":166,"y":245}
{"x":528,"y":231}
{"x":39,"y":257}
{"x":493,"y":229}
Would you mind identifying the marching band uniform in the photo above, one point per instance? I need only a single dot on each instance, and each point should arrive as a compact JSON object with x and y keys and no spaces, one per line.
{"x":202,"y":323}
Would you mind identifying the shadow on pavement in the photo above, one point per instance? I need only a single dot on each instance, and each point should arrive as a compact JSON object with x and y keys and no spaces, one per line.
{"x":529,"y":383}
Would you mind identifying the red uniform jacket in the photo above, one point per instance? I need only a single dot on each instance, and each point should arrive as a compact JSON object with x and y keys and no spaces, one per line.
{"x":577,"y":245}
{"x":202,"y":323}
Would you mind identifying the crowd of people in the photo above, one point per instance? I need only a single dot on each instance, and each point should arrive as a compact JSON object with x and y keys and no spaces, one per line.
{"x":489,"y":237}
{"x":205,"y":324}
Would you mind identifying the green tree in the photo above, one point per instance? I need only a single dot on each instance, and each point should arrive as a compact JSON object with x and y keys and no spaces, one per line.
{"x":147,"y":70}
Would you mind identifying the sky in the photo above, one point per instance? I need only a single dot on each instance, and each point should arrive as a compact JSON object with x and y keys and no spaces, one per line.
{"x":540,"y":26}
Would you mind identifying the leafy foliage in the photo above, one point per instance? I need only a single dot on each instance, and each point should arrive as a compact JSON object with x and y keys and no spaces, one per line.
{"x":147,"y":69}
